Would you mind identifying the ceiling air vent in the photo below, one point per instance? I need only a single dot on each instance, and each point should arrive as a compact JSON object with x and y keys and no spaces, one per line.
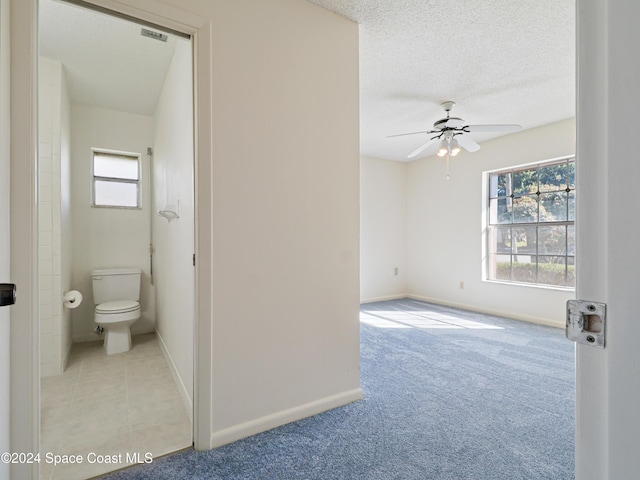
{"x":155,"y":35}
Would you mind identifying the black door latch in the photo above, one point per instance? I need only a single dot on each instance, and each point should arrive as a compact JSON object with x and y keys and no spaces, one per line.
{"x":7,"y":294}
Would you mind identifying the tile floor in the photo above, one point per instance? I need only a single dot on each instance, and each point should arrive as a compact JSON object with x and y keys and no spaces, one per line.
{"x":114,"y":406}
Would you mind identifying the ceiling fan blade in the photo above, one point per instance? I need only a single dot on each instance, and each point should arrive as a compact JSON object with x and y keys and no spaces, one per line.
{"x":468,"y":143}
{"x":493,"y":128}
{"x":422,"y":147}
{"x":411,"y":133}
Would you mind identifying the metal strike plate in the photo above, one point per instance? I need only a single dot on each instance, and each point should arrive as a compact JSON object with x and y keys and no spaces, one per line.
{"x":586,"y":322}
{"x":7,"y":294}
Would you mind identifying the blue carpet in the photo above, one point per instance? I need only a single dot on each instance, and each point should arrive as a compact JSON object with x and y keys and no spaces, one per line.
{"x":449,"y":394}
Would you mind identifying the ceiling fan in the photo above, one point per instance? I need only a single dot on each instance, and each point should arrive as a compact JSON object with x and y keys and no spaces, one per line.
{"x":453,"y":134}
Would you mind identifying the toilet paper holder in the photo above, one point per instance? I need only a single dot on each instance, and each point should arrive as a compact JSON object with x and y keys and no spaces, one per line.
{"x":72,"y":299}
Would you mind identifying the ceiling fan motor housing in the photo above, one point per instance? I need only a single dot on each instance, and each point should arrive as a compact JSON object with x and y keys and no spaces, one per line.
{"x":449,"y":122}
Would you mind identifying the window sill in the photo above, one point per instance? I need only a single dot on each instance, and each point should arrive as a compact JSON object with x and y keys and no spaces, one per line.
{"x":532,"y":285}
{"x":117,"y":207}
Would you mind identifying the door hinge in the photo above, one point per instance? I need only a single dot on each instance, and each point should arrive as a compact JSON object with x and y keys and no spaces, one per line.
{"x":586,"y":322}
{"x":194,"y":259}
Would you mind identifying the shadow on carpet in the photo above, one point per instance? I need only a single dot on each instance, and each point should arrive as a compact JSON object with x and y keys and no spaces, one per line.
{"x":448,"y":394}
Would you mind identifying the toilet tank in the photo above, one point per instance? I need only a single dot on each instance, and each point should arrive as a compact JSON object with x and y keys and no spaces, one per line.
{"x":114,"y":284}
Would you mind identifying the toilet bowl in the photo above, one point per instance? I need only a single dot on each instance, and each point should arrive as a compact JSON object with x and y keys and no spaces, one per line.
{"x":116,"y":293}
{"x":116,"y":319}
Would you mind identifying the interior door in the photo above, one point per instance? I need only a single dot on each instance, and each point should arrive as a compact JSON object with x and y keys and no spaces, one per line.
{"x":608,"y":234}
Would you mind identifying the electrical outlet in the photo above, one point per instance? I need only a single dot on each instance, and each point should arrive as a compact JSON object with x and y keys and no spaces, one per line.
{"x":461,"y":285}
{"x":395,"y":271}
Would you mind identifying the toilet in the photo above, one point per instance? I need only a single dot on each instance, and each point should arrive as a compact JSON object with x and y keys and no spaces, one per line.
{"x":116,"y":293}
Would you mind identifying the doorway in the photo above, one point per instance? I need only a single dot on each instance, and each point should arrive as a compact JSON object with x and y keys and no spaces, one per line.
{"x":126,"y":90}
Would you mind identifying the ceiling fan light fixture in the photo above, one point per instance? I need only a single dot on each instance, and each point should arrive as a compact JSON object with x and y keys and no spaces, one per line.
{"x":454,"y":148}
{"x":443,"y":149}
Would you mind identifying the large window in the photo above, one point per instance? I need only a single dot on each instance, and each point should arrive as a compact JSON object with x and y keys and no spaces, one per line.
{"x":531,"y":231}
{"x":116,"y":180}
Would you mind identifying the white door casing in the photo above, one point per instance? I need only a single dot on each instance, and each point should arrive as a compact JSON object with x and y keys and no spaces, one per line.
{"x":24,"y":354}
{"x":608,"y":234}
{"x":24,"y":387}
{"x":5,"y":274}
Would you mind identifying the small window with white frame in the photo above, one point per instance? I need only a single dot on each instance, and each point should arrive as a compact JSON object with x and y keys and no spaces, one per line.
{"x":531,"y":224}
{"x":116,"y":179}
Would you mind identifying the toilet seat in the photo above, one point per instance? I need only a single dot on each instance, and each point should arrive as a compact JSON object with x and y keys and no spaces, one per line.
{"x":118,"y":306}
{"x":113,"y":314}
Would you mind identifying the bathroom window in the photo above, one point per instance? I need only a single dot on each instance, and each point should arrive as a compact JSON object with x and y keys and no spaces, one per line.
{"x":116,"y":179}
{"x":531,"y":224}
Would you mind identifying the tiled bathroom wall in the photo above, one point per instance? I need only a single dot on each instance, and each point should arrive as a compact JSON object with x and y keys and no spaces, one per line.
{"x":54,"y":216}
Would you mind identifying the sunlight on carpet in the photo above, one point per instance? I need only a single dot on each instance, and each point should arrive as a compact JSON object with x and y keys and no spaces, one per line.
{"x":420,"y":319}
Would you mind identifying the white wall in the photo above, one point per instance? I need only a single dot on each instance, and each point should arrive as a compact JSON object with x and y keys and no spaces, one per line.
{"x":285,"y":340}
{"x":173,"y":241}
{"x":108,"y":237}
{"x":444,"y":234}
{"x":383,"y":211}
{"x":54,"y":217}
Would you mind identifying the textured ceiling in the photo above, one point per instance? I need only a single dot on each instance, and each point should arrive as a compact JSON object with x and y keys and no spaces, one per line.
{"x":107,"y":63}
{"x":501,"y":61}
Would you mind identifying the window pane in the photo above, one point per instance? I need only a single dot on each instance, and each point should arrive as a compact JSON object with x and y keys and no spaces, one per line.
{"x":500,"y":185}
{"x":493,"y":186}
{"x":553,"y":207}
{"x":115,"y":166}
{"x":525,"y":209}
{"x":116,"y":194}
{"x":525,"y":181}
{"x":571,"y":271}
{"x":572,"y":175}
{"x":500,"y":267}
{"x":572,"y":206}
{"x":571,"y":240}
{"x":501,"y":240}
{"x":524,"y":240}
{"x":552,"y":240}
{"x":552,"y":270}
{"x":524,"y":269}
{"x":553,"y":177}
{"x":500,"y":210}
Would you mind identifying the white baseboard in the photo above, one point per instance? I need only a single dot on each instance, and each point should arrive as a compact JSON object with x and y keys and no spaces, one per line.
{"x":184,"y":393}
{"x":268,"y":422}
{"x":383,"y":299}
{"x":499,"y":313}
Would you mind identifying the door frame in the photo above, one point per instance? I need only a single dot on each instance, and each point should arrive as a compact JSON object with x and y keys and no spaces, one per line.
{"x":608,"y":228}
{"x":25,"y":368}
{"x":5,"y":312}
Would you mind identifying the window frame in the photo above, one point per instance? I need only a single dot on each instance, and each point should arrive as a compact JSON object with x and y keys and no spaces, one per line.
{"x":137,"y":182}
{"x":491,"y":253}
